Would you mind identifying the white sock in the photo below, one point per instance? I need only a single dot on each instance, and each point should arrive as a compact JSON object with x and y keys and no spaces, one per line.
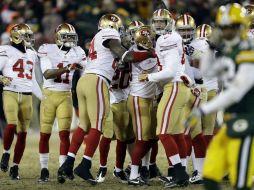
{"x":118,"y":169}
{"x":87,"y":157}
{"x":62,"y":159}
{"x":175,"y":159}
{"x":7,"y":151}
{"x":184,"y":162}
{"x":199,"y":162}
{"x":103,"y":166}
{"x":14,"y":164}
{"x":44,"y":159}
{"x":146,"y":159}
{"x":71,"y":154}
{"x":134,"y":172}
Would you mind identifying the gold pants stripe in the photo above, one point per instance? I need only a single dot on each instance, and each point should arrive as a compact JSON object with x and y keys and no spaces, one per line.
{"x":101,"y":104}
{"x":168,"y":108}
{"x":138,"y":121}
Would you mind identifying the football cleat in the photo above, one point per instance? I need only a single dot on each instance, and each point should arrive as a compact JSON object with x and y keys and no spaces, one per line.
{"x":121,"y":176}
{"x":164,"y":179}
{"x":44,"y":175}
{"x":196,"y":178}
{"x":137,"y":182}
{"x":144,"y":173}
{"x":83,"y":171}
{"x":4,"y":165}
{"x":14,"y":172}
{"x":66,"y":170}
{"x":100,"y":178}
{"x":154,"y":171}
{"x":127,"y":171}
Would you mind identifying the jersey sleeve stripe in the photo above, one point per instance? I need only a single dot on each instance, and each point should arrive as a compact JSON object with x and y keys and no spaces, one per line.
{"x":245,"y":56}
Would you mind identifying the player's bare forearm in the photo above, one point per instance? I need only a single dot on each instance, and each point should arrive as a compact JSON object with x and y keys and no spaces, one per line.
{"x":128,"y":56}
{"x":53,"y":73}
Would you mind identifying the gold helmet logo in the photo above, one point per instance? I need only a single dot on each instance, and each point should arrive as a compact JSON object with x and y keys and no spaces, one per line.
{"x":185,"y":26}
{"x":110,"y":21}
{"x":22,"y":33}
{"x":203,"y":31}
{"x":162,"y":21}
{"x":65,"y":35}
{"x":144,"y":36}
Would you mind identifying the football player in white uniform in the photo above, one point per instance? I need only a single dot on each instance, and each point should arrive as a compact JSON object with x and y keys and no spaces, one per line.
{"x":199,"y":46}
{"x":58,"y":62}
{"x":169,"y":48}
{"x":17,"y":63}
{"x":92,"y":89}
{"x":140,"y":103}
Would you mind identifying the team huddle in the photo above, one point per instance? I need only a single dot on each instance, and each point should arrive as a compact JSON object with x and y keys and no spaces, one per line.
{"x":140,"y":86}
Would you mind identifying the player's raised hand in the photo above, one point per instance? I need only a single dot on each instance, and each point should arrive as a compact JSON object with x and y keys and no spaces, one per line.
{"x":6,"y":81}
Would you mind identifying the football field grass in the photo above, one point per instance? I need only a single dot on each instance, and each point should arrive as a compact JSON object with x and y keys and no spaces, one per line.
{"x":30,"y":170}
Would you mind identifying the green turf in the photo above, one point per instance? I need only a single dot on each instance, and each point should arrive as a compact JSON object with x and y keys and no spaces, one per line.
{"x":30,"y":170}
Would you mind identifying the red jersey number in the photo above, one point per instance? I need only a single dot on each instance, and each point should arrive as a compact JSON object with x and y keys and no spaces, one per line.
{"x":59,"y":78}
{"x":19,"y":67}
{"x":92,"y":54}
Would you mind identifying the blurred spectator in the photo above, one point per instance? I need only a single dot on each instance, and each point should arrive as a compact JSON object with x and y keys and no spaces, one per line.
{"x":50,"y":21}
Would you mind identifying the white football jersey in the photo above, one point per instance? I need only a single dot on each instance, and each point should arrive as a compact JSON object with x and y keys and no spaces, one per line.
{"x":164,"y":44}
{"x":200,"y":46}
{"x":51,"y":57}
{"x":145,"y":89}
{"x":100,"y":59}
{"x":119,"y":88}
{"x":18,"y":66}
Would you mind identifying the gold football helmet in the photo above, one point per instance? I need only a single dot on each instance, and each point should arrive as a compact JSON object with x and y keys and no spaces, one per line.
{"x":185,"y":26}
{"x":250,"y":14}
{"x":133,"y":26}
{"x":165,"y":16}
{"x":110,"y":21}
{"x":65,"y":35}
{"x":144,"y":36}
{"x":231,"y":14}
{"x":22,"y":33}
{"x":203,"y":31}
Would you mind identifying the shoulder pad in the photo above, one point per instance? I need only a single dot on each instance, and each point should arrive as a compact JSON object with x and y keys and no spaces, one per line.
{"x":109,"y":33}
{"x":45,"y":49}
{"x":245,"y":56}
{"x":4,"y":50}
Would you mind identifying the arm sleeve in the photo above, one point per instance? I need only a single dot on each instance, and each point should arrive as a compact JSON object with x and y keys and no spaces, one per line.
{"x":36,"y":88}
{"x":172,"y":60}
{"x":242,"y":83}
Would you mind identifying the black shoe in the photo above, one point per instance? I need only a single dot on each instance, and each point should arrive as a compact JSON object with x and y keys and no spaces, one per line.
{"x":100,"y":178}
{"x":154,"y":171}
{"x":181,"y":178}
{"x":127,"y":171}
{"x":164,"y":179}
{"x":144,"y":173}
{"x":44,"y":175}
{"x":83,"y":171}
{"x":5,"y":162}
{"x":121,"y":176}
{"x":66,"y":170}
{"x":137,"y":182}
{"x":14,"y":172}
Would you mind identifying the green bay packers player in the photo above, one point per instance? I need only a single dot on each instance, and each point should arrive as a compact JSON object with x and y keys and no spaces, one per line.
{"x":17,"y":63}
{"x":232,"y":148}
{"x":58,"y":62}
{"x":140,"y":103}
{"x":169,"y":48}
{"x":92,"y":89}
